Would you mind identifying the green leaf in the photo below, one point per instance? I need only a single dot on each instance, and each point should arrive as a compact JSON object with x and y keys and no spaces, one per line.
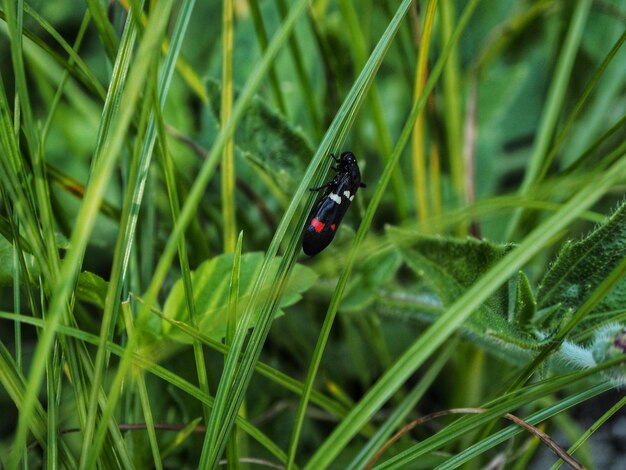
{"x":210,"y":291}
{"x":267,"y":140}
{"x":581,"y":266}
{"x":525,"y":304}
{"x":92,"y":289}
{"x":364,"y":287}
{"x":450,"y":265}
{"x":181,"y":436}
{"x":7,"y":266}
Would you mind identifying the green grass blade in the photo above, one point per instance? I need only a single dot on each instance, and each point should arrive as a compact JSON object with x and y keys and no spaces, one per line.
{"x":11,"y":381}
{"x":237,"y":374}
{"x":506,"y":404}
{"x":594,"y":427}
{"x":554,"y":103}
{"x":228,"y":156}
{"x":399,"y":415}
{"x":406,"y":364}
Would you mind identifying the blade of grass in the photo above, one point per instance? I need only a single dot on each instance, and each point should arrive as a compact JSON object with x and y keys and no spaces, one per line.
{"x":303,"y":78}
{"x":75,"y":65}
{"x":359,"y":49}
{"x":232,"y":448}
{"x":593,"y":428}
{"x":399,"y":414}
{"x":143,"y":396}
{"x":554,"y":103}
{"x":261,"y":36}
{"x":453,"y":109}
{"x":105,"y":28}
{"x":194,"y":196}
{"x":228,"y":156}
{"x":167,"y":168}
{"x":418,"y":144}
{"x":396,"y":376}
{"x":579,"y":105}
{"x":238,"y":371}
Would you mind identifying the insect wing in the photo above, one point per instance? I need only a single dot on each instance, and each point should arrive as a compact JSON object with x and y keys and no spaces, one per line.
{"x":326,"y":216}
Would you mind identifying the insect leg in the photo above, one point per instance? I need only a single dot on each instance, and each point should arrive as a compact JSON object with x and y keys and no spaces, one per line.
{"x":321,"y":187}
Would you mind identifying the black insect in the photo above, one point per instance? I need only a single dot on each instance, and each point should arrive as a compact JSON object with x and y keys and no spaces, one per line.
{"x":332,"y":206}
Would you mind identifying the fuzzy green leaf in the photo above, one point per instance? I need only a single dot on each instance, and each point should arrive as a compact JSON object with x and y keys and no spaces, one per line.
{"x":450,"y":266}
{"x":525,"y":304}
{"x":210,"y":291}
{"x":581,"y":266}
{"x":266,"y":140}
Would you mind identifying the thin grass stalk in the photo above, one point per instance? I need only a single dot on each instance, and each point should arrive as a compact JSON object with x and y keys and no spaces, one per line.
{"x":593,"y":428}
{"x":143,"y":395}
{"x":400,"y":412}
{"x":303,"y":77}
{"x":261,"y":37}
{"x":554,"y":103}
{"x":418,"y":147}
{"x":106,"y":33}
{"x":343,"y":279}
{"x":135,"y":194}
{"x":232,"y":448}
{"x":168,"y":170}
{"x":228,"y":156}
{"x":579,"y":106}
{"x":453,"y":109}
{"x":359,"y":49}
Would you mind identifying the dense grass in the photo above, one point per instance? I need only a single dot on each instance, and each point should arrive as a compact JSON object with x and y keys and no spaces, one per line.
{"x":155,"y":167}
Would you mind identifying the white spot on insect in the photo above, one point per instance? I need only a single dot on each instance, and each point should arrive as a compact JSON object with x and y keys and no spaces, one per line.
{"x":335,"y":197}
{"x":346,"y":193}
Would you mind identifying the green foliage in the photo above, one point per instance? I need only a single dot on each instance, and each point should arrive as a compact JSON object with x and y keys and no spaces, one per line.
{"x":92,"y":289}
{"x":449,"y":266}
{"x":210,"y":293}
{"x":525,"y":303}
{"x":267,"y":140}
{"x":581,"y":267}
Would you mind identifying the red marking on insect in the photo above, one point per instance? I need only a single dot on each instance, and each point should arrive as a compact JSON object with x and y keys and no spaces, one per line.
{"x":318,"y":226}
{"x":333,"y":227}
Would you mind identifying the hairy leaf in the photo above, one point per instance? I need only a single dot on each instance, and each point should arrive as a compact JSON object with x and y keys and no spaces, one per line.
{"x":581,"y":266}
{"x":267,"y":140}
